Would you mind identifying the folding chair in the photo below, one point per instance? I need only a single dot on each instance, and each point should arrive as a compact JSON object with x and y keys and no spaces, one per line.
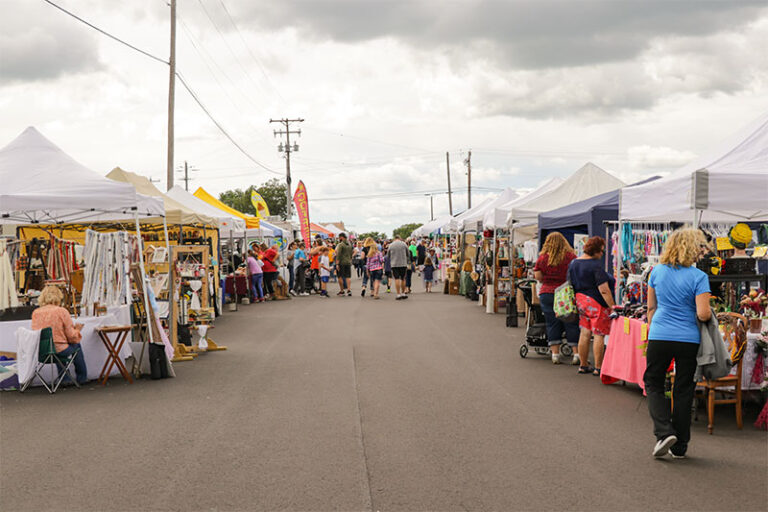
{"x":47,"y":354}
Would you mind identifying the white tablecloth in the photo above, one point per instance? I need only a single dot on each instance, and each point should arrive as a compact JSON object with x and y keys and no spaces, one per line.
{"x":93,"y":348}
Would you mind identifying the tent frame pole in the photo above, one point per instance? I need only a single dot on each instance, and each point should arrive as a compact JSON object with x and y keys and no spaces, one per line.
{"x":144,"y":276}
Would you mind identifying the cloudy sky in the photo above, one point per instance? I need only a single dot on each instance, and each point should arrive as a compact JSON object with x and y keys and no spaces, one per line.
{"x":533,"y":88}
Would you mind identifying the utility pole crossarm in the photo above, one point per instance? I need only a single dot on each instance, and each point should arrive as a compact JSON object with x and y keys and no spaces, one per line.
{"x":287,"y":150}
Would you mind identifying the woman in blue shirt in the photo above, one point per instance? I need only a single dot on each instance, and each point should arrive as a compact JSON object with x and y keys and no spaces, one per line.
{"x":678,"y":296}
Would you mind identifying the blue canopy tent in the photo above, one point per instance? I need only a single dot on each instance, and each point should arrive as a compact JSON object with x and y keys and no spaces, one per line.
{"x":586,"y":217}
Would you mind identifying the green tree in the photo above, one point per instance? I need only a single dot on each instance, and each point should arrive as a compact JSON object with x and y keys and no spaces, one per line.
{"x":372,"y":234}
{"x":272,"y":191}
{"x":405,"y":230}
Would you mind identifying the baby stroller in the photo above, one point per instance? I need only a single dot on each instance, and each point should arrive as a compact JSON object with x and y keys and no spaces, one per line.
{"x":312,"y":280}
{"x":536,"y":325}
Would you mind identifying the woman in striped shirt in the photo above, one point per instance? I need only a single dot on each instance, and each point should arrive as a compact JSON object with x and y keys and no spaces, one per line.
{"x":375,"y":266}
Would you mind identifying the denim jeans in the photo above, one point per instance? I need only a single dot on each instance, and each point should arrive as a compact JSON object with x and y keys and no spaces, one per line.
{"x":555,"y":327}
{"x":668,"y":421}
{"x":81,"y":371}
{"x":257,"y":289}
{"x":291,"y":276}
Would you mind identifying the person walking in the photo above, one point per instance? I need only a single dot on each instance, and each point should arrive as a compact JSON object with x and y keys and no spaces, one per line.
{"x":421,"y":253}
{"x":678,"y":297}
{"x":324,"y":267}
{"x":289,"y":254}
{"x":594,"y":299}
{"x":366,"y":275}
{"x":300,"y":269}
{"x":399,"y":259}
{"x":429,"y":273}
{"x":551,"y":270}
{"x":375,"y":265}
{"x":256,"y":276}
{"x":387,"y":268}
{"x":344,"y":265}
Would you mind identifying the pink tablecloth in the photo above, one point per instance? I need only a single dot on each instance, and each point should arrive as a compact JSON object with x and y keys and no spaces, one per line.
{"x":624,"y":356}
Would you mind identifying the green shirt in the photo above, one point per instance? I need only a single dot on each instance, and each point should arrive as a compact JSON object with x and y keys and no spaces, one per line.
{"x":344,"y":253}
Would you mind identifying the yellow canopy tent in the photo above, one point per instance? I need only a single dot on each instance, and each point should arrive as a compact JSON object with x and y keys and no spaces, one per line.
{"x":250,"y":221}
{"x":175,"y":212}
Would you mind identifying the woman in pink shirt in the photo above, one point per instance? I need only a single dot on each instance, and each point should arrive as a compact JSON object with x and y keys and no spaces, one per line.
{"x":257,"y":275}
{"x":551,"y":270}
{"x":66,"y":334}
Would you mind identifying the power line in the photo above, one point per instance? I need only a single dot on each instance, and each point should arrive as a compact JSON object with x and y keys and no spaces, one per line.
{"x":248,"y":49}
{"x":221,"y":128}
{"x":239,"y":63}
{"x":94,"y":27}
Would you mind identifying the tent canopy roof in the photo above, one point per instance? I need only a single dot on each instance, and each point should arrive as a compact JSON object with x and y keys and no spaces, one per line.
{"x":227,"y":223}
{"x":250,"y":221}
{"x":175,"y":212}
{"x":728,"y":184}
{"x":586,"y":182}
{"x":41,"y":183}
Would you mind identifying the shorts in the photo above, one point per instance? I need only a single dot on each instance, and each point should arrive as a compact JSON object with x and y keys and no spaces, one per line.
{"x":375,"y":275}
{"x":428,"y":280}
{"x":344,"y":271}
{"x":593,"y":316}
{"x":324,"y":278}
{"x":398,"y":272}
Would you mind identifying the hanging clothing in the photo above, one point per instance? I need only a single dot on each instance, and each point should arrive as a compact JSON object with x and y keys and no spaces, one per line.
{"x":8,"y":296}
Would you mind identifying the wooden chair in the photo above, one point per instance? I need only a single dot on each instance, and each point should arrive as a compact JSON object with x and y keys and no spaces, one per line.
{"x":735,"y":337}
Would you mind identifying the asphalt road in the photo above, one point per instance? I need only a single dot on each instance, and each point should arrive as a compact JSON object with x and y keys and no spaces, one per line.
{"x":355,"y":404}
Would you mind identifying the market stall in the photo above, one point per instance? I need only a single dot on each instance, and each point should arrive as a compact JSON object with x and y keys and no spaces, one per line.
{"x":42,"y":186}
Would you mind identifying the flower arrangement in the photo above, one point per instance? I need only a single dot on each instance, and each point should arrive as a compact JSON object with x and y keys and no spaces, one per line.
{"x":754,"y":303}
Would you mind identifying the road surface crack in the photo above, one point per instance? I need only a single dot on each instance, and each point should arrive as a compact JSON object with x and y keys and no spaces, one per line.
{"x":369,"y":505}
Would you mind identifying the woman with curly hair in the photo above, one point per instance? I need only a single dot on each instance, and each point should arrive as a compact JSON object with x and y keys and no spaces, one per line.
{"x":678,"y":296}
{"x":550,"y":270}
{"x":594,"y":300}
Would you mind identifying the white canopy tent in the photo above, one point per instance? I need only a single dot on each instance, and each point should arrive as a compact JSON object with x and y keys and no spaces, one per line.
{"x":589,"y":181}
{"x":469,"y":222}
{"x":458,"y":221}
{"x":730,"y":184}
{"x":496,"y":218}
{"x":41,"y":184}
{"x":227,"y":224}
{"x":333,"y":229}
{"x":175,"y":212}
{"x":432,"y":226}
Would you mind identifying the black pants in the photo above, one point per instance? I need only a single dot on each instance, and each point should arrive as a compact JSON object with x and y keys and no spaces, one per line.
{"x":668,"y":422}
{"x":269,"y":279}
{"x":300,"y":279}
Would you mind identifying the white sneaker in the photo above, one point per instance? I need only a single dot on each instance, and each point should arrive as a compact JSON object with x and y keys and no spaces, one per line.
{"x":555,"y":358}
{"x":304,"y":294}
{"x":576,"y":361}
{"x":662,"y":447}
{"x":292,"y":293}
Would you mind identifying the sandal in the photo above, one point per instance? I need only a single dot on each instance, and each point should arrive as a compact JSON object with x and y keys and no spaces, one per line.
{"x":596,"y":372}
{"x":586,"y":369}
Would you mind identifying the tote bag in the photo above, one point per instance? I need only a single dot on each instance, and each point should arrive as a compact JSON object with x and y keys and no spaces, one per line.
{"x":565,"y":303}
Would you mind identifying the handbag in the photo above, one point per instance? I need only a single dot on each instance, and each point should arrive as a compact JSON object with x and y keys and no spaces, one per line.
{"x":565,"y":303}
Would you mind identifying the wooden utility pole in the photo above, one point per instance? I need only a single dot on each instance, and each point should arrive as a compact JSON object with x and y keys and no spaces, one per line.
{"x":171,"y":96}
{"x":448,"y":170}
{"x":288,"y":150}
{"x":468,"y":161}
{"x":431,"y":206}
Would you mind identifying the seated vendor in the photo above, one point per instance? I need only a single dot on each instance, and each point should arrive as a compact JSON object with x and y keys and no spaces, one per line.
{"x":66,"y":334}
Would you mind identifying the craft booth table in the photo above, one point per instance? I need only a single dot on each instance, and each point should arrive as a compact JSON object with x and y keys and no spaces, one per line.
{"x":93,"y":348}
{"x":625,"y":355}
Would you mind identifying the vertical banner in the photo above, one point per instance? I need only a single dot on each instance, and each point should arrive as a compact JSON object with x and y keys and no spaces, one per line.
{"x":302,"y":209}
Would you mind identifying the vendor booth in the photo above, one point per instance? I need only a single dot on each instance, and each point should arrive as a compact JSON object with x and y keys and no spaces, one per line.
{"x":43,"y":187}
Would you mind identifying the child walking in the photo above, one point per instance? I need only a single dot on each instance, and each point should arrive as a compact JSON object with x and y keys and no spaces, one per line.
{"x":325,"y":271}
{"x":428,"y":272}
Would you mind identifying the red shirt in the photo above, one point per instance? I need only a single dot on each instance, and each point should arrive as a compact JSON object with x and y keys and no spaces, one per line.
{"x":268,"y":258}
{"x":552,"y":276}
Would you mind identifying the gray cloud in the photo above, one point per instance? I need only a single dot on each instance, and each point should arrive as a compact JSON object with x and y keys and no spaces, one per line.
{"x":38,"y":43}
{"x":524,"y":34}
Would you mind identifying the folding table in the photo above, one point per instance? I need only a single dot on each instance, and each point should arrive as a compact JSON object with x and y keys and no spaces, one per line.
{"x":113,"y":346}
